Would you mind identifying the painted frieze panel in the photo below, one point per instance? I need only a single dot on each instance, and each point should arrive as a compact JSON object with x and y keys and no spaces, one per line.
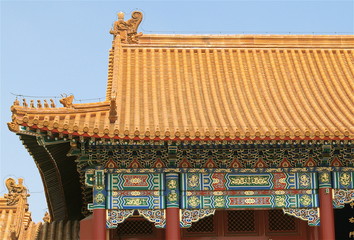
{"x":116,"y":193}
{"x":245,"y":181}
{"x":241,"y":201}
{"x":221,"y":154}
{"x":172,"y":190}
{"x":138,"y":181}
{"x":136,"y":202}
{"x":343,"y":180}
{"x":251,"y":192}
{"x":223,"y":167}
{"x":135,"y":191}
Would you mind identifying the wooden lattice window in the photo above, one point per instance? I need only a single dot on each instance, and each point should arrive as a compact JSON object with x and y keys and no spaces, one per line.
{"x":279,"y":222}
{"x":136,"y":227}
{"x":248,"y":224}
{"x":241,"y":222}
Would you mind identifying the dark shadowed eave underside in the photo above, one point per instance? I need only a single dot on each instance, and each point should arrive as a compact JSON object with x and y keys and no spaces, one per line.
{"x":59,"y":176}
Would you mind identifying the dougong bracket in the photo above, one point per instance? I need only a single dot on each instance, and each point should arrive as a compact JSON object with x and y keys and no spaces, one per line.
{"x":115,"y":217}
{"x":127,"y":30}
{"x":156,"y":216}
{"x":342,"y":197}
{"x":190,"y":216}
{"x":311,"y":215}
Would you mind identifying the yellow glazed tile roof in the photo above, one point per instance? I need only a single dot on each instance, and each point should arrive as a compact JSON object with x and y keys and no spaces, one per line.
{"x":216,"y":87}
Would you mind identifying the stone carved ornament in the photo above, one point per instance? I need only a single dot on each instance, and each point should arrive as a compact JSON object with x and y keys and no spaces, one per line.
{"x":67,"y":101}
{"x":16,"y":191}
{"x":46,"y":218}
{"x":127,"y":30}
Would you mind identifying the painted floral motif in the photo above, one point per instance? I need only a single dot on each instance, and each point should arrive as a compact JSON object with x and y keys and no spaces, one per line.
{"x":324,"y":177}
{"x":99,"y":198}
{"x":172,"y":197}
{"x":193,"y":181}
{"x":193,"y":201}
{"x":172,"y":184}
{"x":304,"y":180}
{"x":250,"y":201}
{"x":217,"y":193}
{"x":305,"y":200}
{"x":135,"y":193}
{"x":219,"y":202}
{"x":135,"y":180}
{"x":345,"y":179}
{"x":280,"y":201}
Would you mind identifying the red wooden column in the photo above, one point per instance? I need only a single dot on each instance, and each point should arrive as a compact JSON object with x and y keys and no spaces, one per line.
{"x":98,"y":206}
{"x":173,"y":231}
{"x":99,"y":224}
{"x":327,"y":230}
{"x":313,"y":233}
{"x":86,"y":228}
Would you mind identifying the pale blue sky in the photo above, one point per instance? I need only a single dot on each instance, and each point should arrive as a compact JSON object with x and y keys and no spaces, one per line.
{"x":54,"y":47}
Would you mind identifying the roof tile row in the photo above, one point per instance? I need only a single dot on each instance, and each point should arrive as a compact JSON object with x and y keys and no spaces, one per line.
{"x":201,"y":92}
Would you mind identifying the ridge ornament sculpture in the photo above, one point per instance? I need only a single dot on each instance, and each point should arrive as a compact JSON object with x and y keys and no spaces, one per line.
{"x":127,"y":30}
